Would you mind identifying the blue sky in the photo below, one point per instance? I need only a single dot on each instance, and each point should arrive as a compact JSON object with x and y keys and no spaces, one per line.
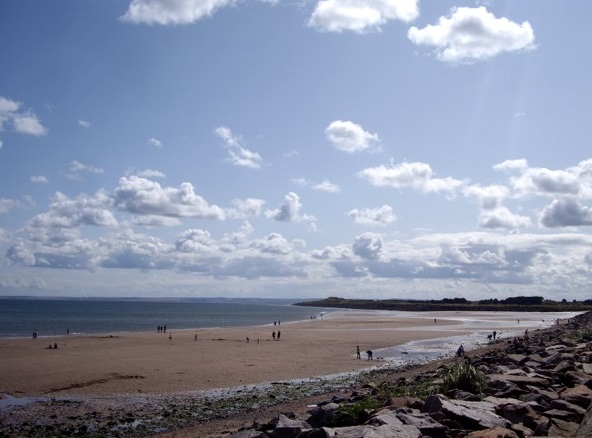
{"x":355,"y":148}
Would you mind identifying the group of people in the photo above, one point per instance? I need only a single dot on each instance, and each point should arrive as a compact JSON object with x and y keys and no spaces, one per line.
{"x":161,"y":329}
{"x":359,"y":356}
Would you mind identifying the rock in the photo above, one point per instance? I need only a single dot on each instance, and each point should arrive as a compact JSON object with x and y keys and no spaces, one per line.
{"x":579,"y":395}
{"x":289,"y":428}
{"x":517,"y":413}
{"x":473,"y":415}
{"x":585,"y":429}
{"x":559,"y":428}
{"x":497,"y":432}
{"x":570,"y":407}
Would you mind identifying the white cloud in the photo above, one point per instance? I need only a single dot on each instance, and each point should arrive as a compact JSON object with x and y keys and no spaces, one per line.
{"x":510,"y":165}
{"x":350,"y":137}
{"x":381,"y":216}
{"x":65,"y":215}
{"x":151,"y":173}
{"x":418,"y":176}
{"x":23,"y":122}
{"x":84,"y":123}
{"x":565,"y":213}
{"x":155,"y":142}
{"x":243,"y":208}
{"x":39,"y":179}
{"x":489,"y":197}
{"x":77,"y":166}
{"x":289,"y":210}
{"x":541,"y":181}
{"x":368,"y":246}
{"x":472,"y":34}
{"x":172,"y":12}
{"x":238,"y":154}
{"x":501,"y":217}
{"x":142,"y":196}
{"x":326,"y":186}
{"x":360,"y":15}
{"x":149,"y":220}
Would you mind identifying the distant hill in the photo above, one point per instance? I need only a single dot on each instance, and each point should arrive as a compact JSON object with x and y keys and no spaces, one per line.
{"x":512,"y":304}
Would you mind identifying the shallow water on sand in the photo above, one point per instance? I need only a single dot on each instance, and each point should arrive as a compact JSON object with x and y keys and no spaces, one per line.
{"x":480,"y":325}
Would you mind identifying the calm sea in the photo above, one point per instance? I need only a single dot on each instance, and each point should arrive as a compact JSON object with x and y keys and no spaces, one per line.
{"x":49,"y":317}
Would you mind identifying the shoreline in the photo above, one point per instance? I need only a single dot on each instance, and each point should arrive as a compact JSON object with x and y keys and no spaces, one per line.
{"x":146,"y":373}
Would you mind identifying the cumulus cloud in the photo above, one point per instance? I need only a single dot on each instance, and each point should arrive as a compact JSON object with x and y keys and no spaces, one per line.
{"x":360,"y":15}
{"x":418,"y":176}
{"x":39,"y":179}
{"x":195,"y":241}
{"x":511,"y":165}
{"x":368,"y":246}
{"x":65,"y":212}
{"x":565,"y":213}
{"x":289,"y":210}
{"x":501,"y":217}
{"x":473,"y":34}
{"x":488,"y":197}
{"x":243,"y":208}
{"x":172,"y":12}
{"x":238,"y":154}
{"x":142,"y":196}
{"x":381,"y":216}
{"x":350,"y":137}
{"x":21,"y":121}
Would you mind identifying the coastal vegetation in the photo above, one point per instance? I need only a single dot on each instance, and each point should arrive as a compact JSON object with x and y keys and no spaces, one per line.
{"x":511,"y":304}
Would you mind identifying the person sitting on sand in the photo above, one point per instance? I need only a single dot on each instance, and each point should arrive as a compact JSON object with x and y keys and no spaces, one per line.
{"x":55,"y":346}
{"x":369,"y":353}
{"x":460,"y":351}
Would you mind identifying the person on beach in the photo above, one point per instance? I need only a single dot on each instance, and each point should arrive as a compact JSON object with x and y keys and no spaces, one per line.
{"x":369,"y":353}
{"x":273,"y":335}
{"x":494,"y":334}
{"x":279,"y":334}
{"x":461,"y":351}
{"x":195,"y":339}
{"x":247,"y":339}
{"x":358,"y":352}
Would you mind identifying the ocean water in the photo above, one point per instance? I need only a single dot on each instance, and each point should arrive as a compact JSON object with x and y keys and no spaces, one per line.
{"x":50,"y":317}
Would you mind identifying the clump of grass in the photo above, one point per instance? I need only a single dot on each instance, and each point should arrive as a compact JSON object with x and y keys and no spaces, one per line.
{"x":354,"y":413}
{"x":463,"y":376}
{"x":584,"y":334}
{"x":386,"y":391}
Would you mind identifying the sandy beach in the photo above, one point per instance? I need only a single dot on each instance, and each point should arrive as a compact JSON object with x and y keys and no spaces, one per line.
{"x":120,"y":364}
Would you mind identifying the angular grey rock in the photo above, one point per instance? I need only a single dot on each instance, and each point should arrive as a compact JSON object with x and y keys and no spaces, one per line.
{"x":474,"y":415}
{"x":288,"y":428}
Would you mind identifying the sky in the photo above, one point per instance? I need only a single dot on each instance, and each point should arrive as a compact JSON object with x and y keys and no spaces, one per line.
{"x":277,"y":149}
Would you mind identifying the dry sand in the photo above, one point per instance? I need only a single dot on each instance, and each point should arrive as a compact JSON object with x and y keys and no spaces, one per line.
{"x":151,"y":363}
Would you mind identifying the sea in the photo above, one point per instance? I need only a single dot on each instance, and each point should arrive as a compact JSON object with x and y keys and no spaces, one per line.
{"x":20,"y":317}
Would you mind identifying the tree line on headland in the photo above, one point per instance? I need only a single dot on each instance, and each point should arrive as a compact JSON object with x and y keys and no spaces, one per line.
{"x":511,"y":304}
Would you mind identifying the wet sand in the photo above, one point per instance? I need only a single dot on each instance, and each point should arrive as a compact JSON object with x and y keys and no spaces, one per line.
{"x":122,"y":364}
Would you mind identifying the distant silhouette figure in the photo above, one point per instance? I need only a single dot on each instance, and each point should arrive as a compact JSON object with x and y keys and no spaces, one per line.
{"x":460,"y":351}
{"x":369,"y":353}
{"x":55,"y":346}
{"x":279,"y":334}
{"x":358,"y":352}
{"x":273,"y":336}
